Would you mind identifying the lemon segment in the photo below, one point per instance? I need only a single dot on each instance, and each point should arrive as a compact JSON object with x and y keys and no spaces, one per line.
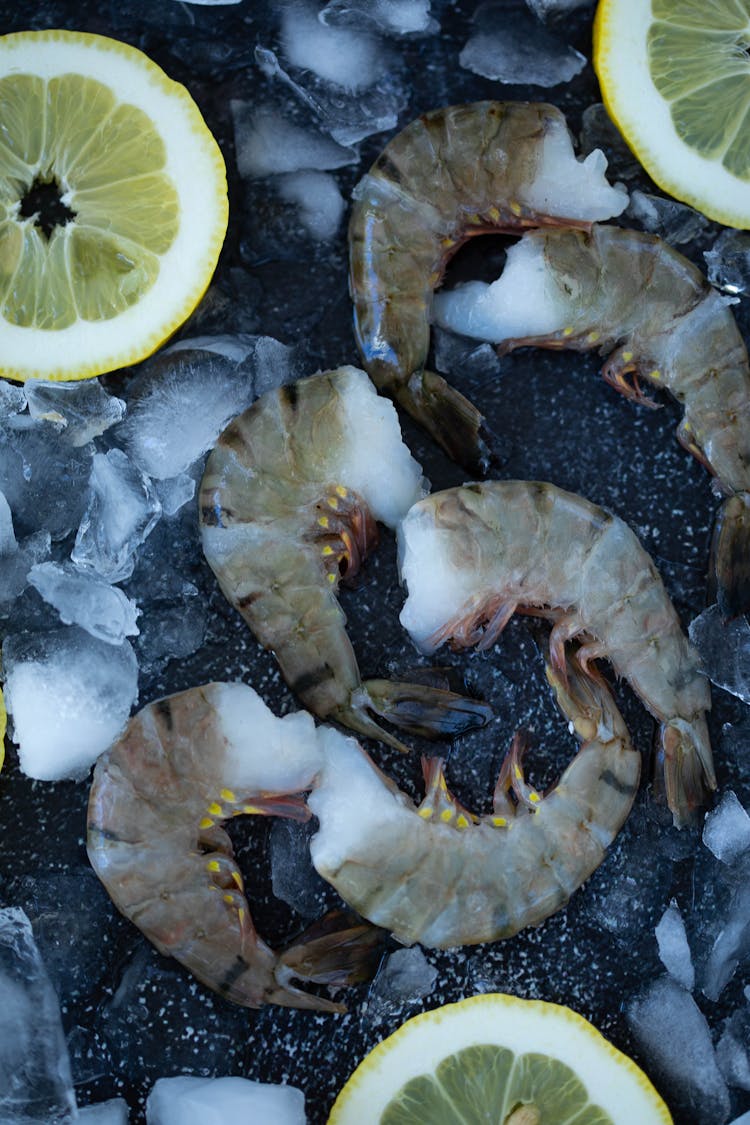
{"x":495,"y":1055}
{"x":129,"y":249}
{"x":675,"y":78}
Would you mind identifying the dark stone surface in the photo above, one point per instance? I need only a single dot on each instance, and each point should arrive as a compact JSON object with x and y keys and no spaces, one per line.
{"x":132,"y":1015}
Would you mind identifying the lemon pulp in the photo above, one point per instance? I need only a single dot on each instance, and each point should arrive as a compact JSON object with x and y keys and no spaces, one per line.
{"x":675,"y":78}
{"x":497,"y":1058}
{"x":141,"y":188}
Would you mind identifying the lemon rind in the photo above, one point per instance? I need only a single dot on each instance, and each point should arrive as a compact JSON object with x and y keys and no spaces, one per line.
{"x":631,"y":98}
{"x":87,"y":349}
{"x":558,"y":1031}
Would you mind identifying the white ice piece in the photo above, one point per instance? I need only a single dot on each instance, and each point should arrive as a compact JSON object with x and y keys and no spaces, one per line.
{"x":86,"y":600}
{"x":350,"y":59}
{"x":674,"y":950}
{"x":321,"y":204}
{"x":69,"y":695}
{"x":389,"y":17}
{"x":521,"y":52}
{"x":268,"y":145}
{"x":222,"y":1101}
{"x":726,"y":831}
{"x":731,"y":946}
{"x":724,"y":648}
{"x":115,"y":1111}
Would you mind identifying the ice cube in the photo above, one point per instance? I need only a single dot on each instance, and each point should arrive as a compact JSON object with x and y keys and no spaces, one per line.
{"x":454,"y":354}
{"x":732,"y":945}
{"x":183,"y":399}
{"x":598,"y":131}
{"x":724,"y":648}
{"x":674,"y":222}
{"x":405,"y":975}
{"x":43,"y":477}
{"x":519,"y":52}
{"x":175,"y":492}
{"x":36,"y":1087}
{"x":732,"y":1050}
{"x":86,"y":600}
{"x":545,"y":8}
{"x":122,"y":511}
{"x":398,"y":18}
{"x":674,"y":950}
{"x":352,"y":60}
{"x":728,"y":262}
{"x":69,"y":695}
{"x":726,"y":831}
{"x":222,"y":1101}
{"x":267,"y":144}
{"x":12,"y":399}
{"x":8,"y":543}
{"x":673,"y":1034}
{"x":294,"y":879}
{"x":321,"y":205}
{"x":744,"y":1119}
{"x":82,"y":409}
{"x":171,"y":629}
{"x":16,"y":565}
{"x":115,"y":1111}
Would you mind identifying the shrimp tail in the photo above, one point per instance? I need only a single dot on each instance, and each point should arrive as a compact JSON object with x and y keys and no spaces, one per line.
{"x":425,"y":710}
{"x":339,"y":949}
{"x":730,"y":556}
{"x":453,"y":421}
{"x":685,"y":769}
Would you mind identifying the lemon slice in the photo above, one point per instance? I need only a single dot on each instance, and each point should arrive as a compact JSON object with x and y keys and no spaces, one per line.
{"x":500,"y":1059}
{"x":113,"y":205}
{"x":675,"y":78}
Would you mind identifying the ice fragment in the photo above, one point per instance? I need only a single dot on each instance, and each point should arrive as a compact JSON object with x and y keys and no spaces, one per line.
{"x":267,"y":144}
{"x":726,"y":831}
{"x":389,"y":17}
{"x":728,"y":262}
{"x":517,"y":52}
{"x":674,"y":950}
{"x":222,"y":1101}
{"x":345,"y":58}
{"x":724,"y":648}
{"x":319,"y":200}
{"x":115,"y":1111}
{"x":83,"y":409}
{"x":86,"y":600}
{"x":732,"y":1050}
{"x":731,"y":946}
{"x":670,"y":220}
{"x":294,"y":879}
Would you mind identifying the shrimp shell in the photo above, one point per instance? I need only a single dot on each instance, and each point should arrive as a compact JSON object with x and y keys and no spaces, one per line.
{"x":183,"y":765}
{"x":442,"y":876}
{"x":451,"y":174}
{"x":288,"y":507}
{"x":501,"y":545}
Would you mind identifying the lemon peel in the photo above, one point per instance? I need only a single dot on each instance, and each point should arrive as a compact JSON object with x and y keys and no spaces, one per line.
{"x":141,"y":205}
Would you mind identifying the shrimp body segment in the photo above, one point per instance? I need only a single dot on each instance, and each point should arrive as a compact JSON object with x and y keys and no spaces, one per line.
{"x":288,"y":508}
{"x":499,"y":546}
{"x":633,"y":298}
{"x":438,"y":874}
{"x":451,"y":174}
{"x":159,"y":796}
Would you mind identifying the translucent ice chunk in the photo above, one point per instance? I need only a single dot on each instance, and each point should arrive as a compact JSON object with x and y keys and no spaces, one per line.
{"x":294,"y":879}
{"x":12,"y":399}
{"x":184,"y":398}
{"x":389,"y":17}
{"x":8,"y":543}
{"x":267,"y":144}
{"x":520,"y":51}
{"x":115,"y":1111}
{"x":36,"y":1087}
{"x":321,"y":205}
{"x":672,"y":221}
{"x":744,"y":1119}
{"x":454,"y":354}
{"x":545,"y":8}
{"x":672,"y":1033}
{"x":727,"y":829}
{"x":732,"y":1050}
{"x":83,"y":409}
{"x":728,"y":262}
{"x":222,"y":1101}
{"x":171,"y":629}
{"x":674,"y":950}
{"x":724,"y":648}
{"x":731,"y":947}
{"x":122,"y":511}
{"x":86,"y":600}
{"x":69,"y":695}
{"x":406,"y":975}
{"x":43,"y":477}
{"x":15,"y":567}
{"x":345,"y":58}
{"x":174,"y":492}
{"x":598,"y":131}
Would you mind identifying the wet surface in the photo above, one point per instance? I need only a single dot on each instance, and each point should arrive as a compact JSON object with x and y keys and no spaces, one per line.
{"x":132,"y":1016}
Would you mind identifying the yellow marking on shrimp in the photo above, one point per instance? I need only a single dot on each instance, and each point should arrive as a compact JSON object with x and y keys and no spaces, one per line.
{"x":446,"y":815}
{"x":241,"y":915}
{"x":341,"y":491}
{"x":446,"y":243}
{"x":655,"y":375}
{"x":228,"y":795}
{"x":237,"y":878}
{"x":593,"y":337}
{"x":327,"y":550}
{"x":331,"y":577}
{"x":627,"y":356}
{"x":323,"y":521}
{"x":499,"y":822}
{"x":567,"y":331}
{"x":215,"y":810}
{"x":213,"y":865}
{"x":515,"y":207}
{"x":462,"y":822}
{"x":229,"y":897}
{"x":518,"y":773}
{"x":332,"y":502}
{"x":534,"y":797}
{"x":206,"y":822}
{"x":494,"y":214}
{"x":251,"y":810}
{"x":425,"y":812}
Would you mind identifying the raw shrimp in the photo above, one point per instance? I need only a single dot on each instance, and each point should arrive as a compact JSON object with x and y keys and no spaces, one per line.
{"x":443,"y":876}
{"x":472,"y":556}
{"x":182,"y":766}
{"x":635,"y":299}
{"x":453,"y":173}
{"x":288,"y":506}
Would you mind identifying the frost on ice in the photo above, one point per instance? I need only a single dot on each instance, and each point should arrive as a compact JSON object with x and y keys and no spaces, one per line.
{"x":269,"y":145}
{"x":194,"y":1101}
{"x":345,"y":58}
{"x":521,"y":52}
{"x":321,"y":204}
{"x":69,"y":695}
